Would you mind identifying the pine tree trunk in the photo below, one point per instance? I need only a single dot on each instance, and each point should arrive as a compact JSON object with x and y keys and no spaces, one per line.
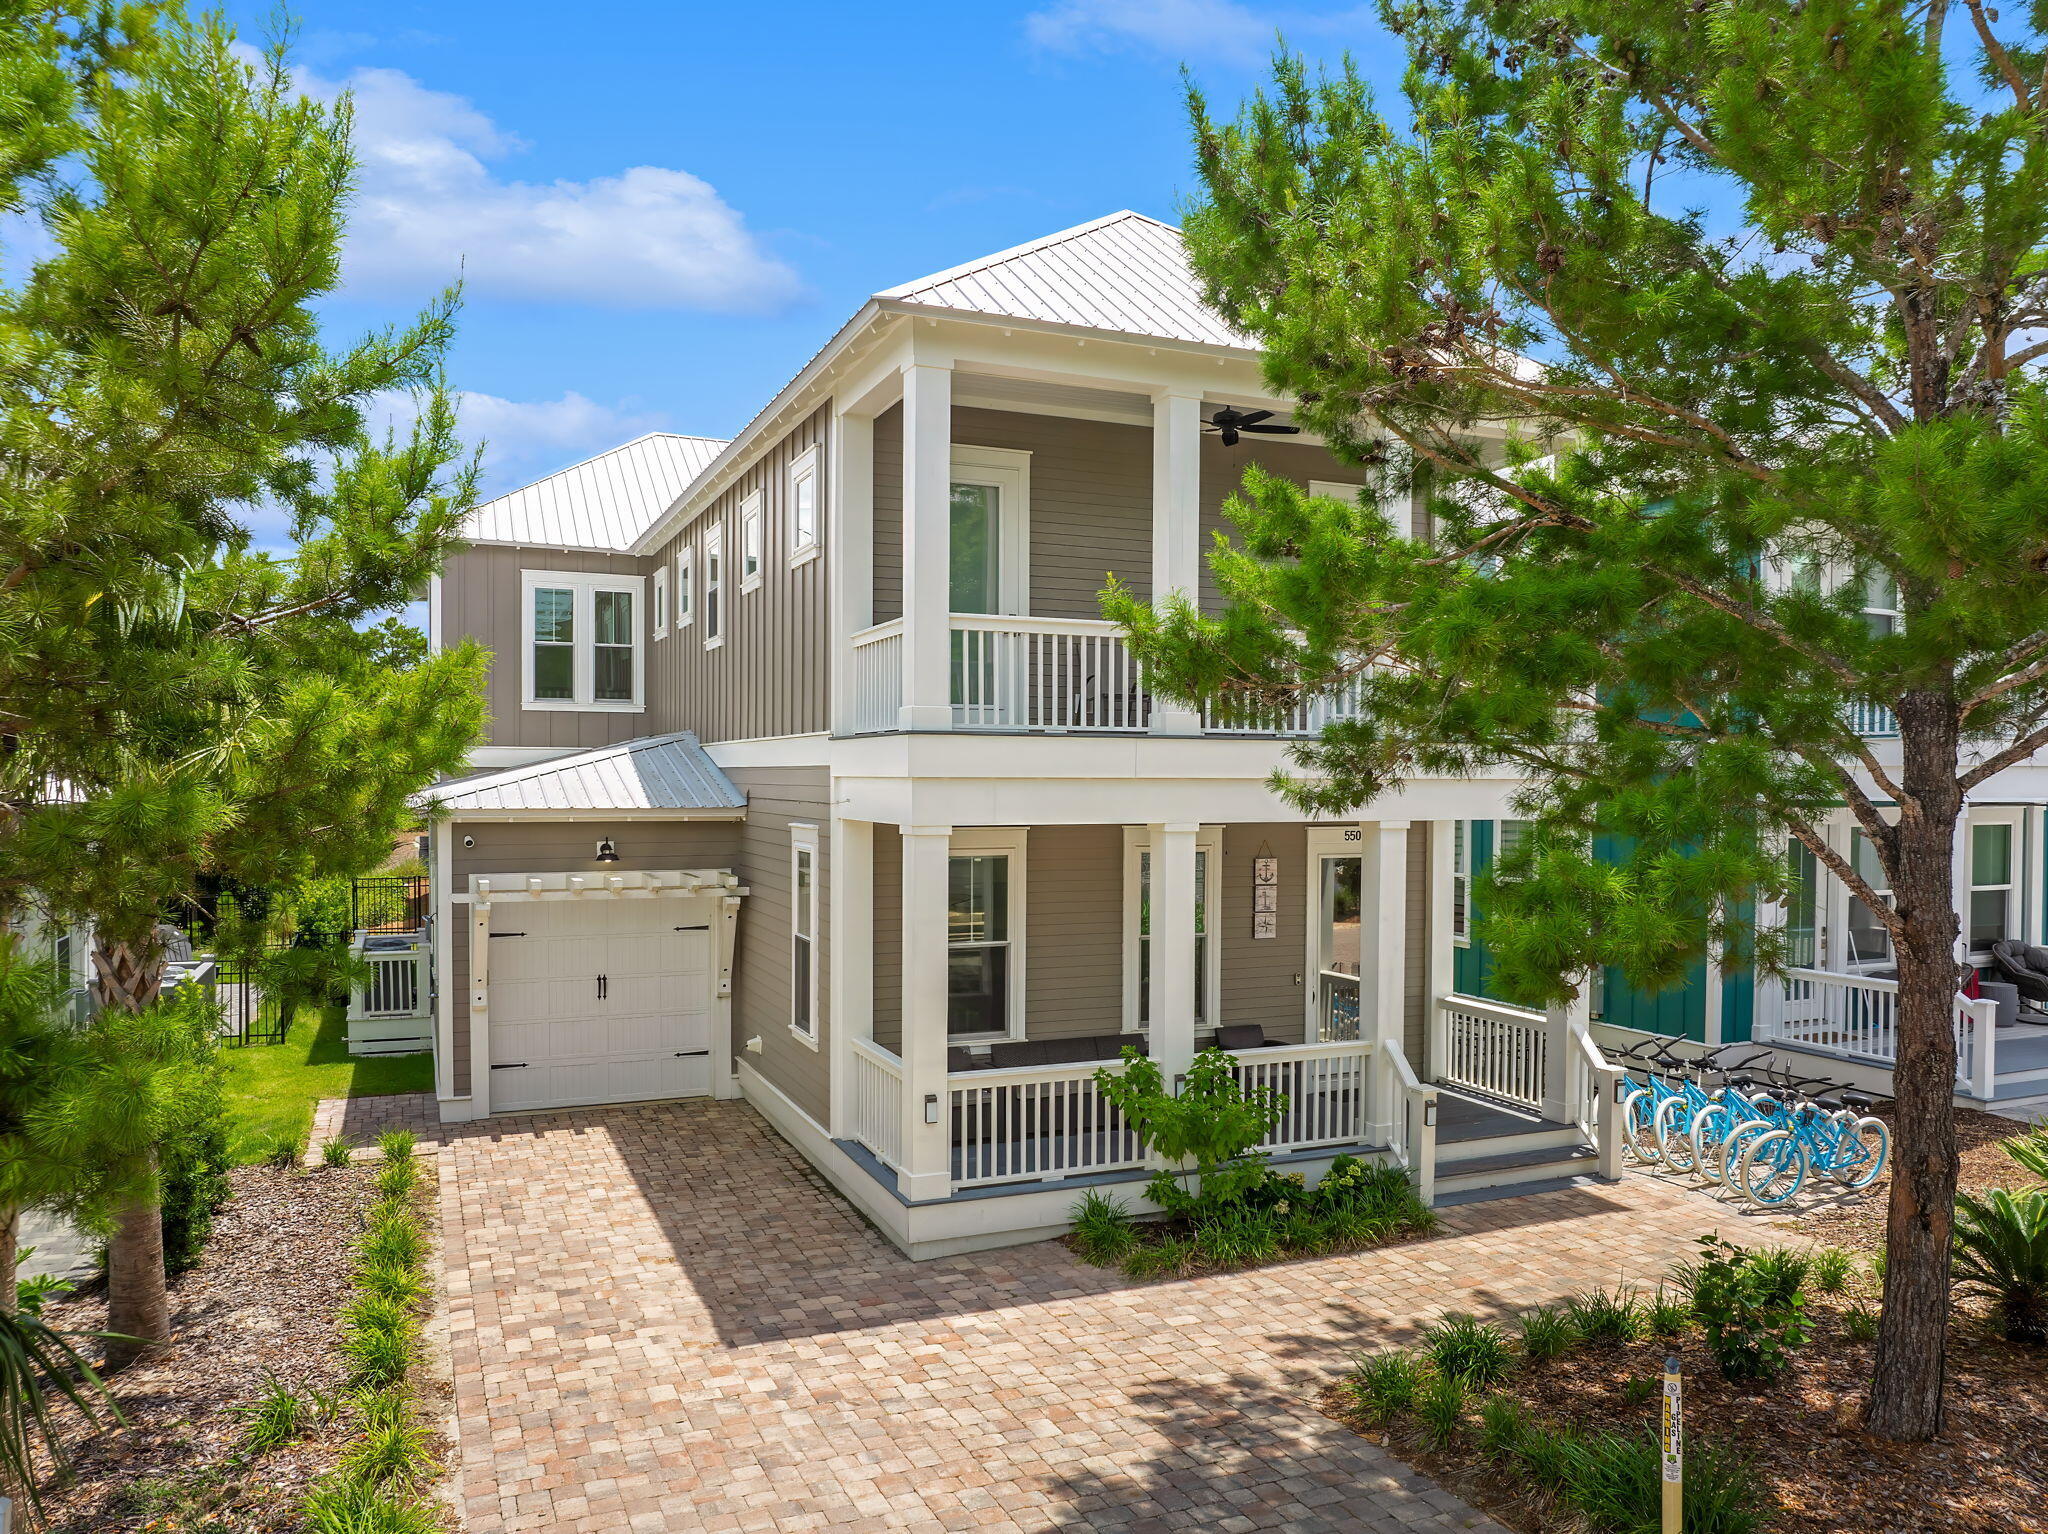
{"x":1906,"y":1386}
{"x":138,"y":1298}
{"x":10,"y":1256}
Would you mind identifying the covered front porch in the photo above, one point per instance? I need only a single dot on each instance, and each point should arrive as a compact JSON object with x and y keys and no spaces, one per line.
{"x":1007,"y":966}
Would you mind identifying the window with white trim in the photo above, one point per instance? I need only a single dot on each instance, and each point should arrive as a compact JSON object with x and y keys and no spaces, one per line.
{"x":750,"y":542}
{"x":1881,"y":613}
{"x":714,"y":585}
{"x":581,"y":641}
{"x":686,"y":592}
{"x":660,"y":615}
{"x":1991,"y":884}
{"x":803,"y":931}
{"x":1336,"y":491}
{"x":1461,"y":883}
{"x":984,"y":933}
{"x":803,"y":506}
{"x":1138,"y":929}
{"x":1869,"y":942}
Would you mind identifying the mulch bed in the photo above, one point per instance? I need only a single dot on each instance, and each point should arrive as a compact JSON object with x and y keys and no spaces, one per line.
{"x":262,"y":1302}
{"x":1988,"y":1474}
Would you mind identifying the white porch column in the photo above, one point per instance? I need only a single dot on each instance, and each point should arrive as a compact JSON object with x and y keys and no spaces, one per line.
{"x":1176,"y":518}
{"x":1383,"y":943}
{"x":1171,"y":1004}
{"x":1442,"y":976}
{"x":850,"y":551}
{"x":927,"y":1125}
{"x":927,"y":540}
{"x":850,"y":939}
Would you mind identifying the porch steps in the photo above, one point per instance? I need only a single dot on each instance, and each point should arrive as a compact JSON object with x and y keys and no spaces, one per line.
{"x":1486,"y":1147}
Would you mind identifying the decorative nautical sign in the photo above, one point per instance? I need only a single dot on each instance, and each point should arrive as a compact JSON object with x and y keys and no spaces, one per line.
{"x":1265,"y":893}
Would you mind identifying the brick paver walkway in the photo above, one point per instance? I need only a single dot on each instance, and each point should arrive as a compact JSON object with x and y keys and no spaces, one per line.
{"x":360,"y":1120}
{"x":660,"y":1319}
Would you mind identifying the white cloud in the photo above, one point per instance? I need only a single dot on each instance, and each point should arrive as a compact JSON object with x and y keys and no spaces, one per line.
{"x":430,"y":208}
{"x":526,"y":439}
{"x":1181,"y":29}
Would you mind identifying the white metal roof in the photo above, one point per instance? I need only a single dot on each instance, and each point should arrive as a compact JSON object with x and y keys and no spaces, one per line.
{"x":602,"y":503}
{"x":1125,"y":273}
{"x":656,"y":772}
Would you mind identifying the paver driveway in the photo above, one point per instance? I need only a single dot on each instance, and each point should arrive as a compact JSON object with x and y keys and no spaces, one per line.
{"x":662,"y":1320}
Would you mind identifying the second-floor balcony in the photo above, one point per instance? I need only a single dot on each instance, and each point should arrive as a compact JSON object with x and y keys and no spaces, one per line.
{"x":1015,"y":673}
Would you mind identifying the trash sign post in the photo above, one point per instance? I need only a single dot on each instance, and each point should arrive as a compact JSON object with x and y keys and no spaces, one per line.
{"x":1674,"y":1447}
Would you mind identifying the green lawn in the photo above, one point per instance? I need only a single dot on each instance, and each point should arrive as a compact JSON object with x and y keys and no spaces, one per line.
{"x":271,"y":1088}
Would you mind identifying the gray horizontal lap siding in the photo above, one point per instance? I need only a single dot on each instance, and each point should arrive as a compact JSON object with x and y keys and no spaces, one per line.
{"x":544,"y":846}
{"x":1223,"y":476}
{"x":769,"y":677}
{"x":1262,"y":976}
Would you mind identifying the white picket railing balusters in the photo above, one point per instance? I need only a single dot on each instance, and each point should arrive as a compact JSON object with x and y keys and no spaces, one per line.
{"x":1327,"y":1087}
{"x":1305,"y":718}
{"x":1036,"y":1123}
{"x":874,"y":1099}
{"x":1055,"y":674}
{"x":876,"y":678}
{"x":1857,"y":1017}
{"x":1498,"y":1051}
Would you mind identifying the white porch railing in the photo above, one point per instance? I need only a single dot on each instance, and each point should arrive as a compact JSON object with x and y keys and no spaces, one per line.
{"x":1415,"y":1144}
{"x":1857,"y":1017}
{"x":1013,"y":672}
{"x":1038,"y":1123}
{"x":874,"y":1099}
{"x":1591,"y":1094}
{"x":1328,"y":1088}
{"x":1339,"y":1005}
{"x":1306,"y":718}
{"x":1873,"y":720}
{"x":876,"y":679}
{"x":1499,"y":1051}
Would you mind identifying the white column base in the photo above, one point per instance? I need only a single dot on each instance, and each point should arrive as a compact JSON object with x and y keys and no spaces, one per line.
{"x":924,"y":716}
{"x":1175,"y":721}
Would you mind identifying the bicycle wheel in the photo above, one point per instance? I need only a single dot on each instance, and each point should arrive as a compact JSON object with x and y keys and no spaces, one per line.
{"x":1773,"y":1169}
{"x":1860,"y":1156}
{"x":1734,"y":1144}
{"x":1674,"y":1134}
{"x":1638,"y":1130}
{"x":1710,"y":1131}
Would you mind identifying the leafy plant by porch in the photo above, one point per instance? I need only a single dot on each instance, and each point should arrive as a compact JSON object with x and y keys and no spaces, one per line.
{"x":270,"y":1090}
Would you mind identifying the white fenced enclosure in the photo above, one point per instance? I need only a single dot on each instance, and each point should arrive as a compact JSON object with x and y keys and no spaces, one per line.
{"x":390,"y":1007}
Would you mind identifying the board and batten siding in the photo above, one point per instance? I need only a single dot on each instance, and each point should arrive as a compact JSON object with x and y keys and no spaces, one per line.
{"x":769,"y":677}
{"x":483,"y":598}
{"x":544,"y":846}
{"x":762,"y":961}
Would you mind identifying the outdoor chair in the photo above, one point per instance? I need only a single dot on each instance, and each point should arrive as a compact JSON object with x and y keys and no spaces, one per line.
{"x":2026,"y":967}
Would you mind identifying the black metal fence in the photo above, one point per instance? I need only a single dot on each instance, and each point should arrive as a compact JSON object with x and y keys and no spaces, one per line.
{"x":390,"y":904}
{"x":249,"y":1014}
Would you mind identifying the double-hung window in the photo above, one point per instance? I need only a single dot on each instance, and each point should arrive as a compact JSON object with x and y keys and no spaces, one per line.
{"x":1138,"y":866}
{"x":980,"y":925}
{"x":1869,"y":942}
{"x":661,"y":603}
{"x":803,"y":506}
{"x":803,"y":931}
{"x":686,"y":590}
{"x":1881,"y":613}
{"x":750,"y":542}
{"x":582,"y":641}
{"x":1802,"y":906}
{"x":1461,"y":882}
{"x":1991,"y":884}
{"x":714,"y":585}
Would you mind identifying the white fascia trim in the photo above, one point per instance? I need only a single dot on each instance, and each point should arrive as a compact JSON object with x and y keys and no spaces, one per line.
{"x":540,"y":817}
{"x":809,"y":750}
{"x":518,"y":756}
{"x":1058,"y":328}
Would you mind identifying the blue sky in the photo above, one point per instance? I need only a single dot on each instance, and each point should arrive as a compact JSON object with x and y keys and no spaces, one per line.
{"x":662,"y":210}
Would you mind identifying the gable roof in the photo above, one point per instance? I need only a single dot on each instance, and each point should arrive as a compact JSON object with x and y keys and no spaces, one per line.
{"x":1125,"y":274}
{"x":656,"y":772}
{"x":601,"y":503}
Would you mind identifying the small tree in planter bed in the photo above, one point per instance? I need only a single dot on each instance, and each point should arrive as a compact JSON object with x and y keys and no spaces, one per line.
{"x":1212,"y":1122}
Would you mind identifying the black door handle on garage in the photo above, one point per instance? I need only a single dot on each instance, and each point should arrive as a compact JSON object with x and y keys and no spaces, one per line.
{"x":603,"y":986}
{"x":691,"y":1054}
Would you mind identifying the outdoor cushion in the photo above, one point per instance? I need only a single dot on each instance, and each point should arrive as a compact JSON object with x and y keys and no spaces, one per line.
{"x":1241,"y":1036}
{"x":959,"y":1058}
{"x":2037,"y":960}
{"x":1017,"y":1053}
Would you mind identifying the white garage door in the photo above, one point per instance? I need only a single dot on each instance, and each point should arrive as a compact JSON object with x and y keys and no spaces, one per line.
{"x":600,"y":1001}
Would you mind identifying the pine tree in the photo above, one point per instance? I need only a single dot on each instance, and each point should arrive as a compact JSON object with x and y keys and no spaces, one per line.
{"x":178,"y":706}
{"x":1701,"y":328}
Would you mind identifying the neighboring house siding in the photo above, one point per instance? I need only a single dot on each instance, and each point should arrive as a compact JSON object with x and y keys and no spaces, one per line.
{"x":566,"y":846}
{"x":761,"y":965}
{"x":769,"y":676}
{"x":482,"y":599}
{"x":1261,"y":976}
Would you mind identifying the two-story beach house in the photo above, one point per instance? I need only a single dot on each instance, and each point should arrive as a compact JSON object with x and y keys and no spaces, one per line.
{"x":815,"y":778}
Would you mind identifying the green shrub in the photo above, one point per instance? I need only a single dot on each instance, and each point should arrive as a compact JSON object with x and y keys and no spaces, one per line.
{"x":1440,"y":1403}
{"x":1616,"y":1481}
{"x":1859,"y":1323}
{"x":1303,"y":1234}
{"x":1465,"y":1348}
{"x":1545,"y":1455}
{"x":346,"y":1504}
{"x":405,"y":1286}
{"x":380,"y":1410}
{"x":1384,"y":1384}
{"x":1503,"y":1425}
{"x":390,"y":1451}
{"x":1103,"y":1233}
{"x":1782,"y":1271}
{"x":1547,"y":1334}
{"x":377,"y":1313}
{"x":397,"y":1179}
{"x":1371,"y":1190}
{"x":32,"y":1294}
{"x":398,"y":1144}
{"x":1638,"y":1392}
{"x":277,"y":1416}
{"x":377,"y":1359}
{"x":1354,"y":1227}
{"x":1237,"y":1241}
{"x":392,"y":1238}
{"x":1208,"y":1128}
{"x":1160,"y":1259}
{"x":193,"y":1173}
{"x":1610,"y":1319}
{"x":1666,"y":1315}
{"x":336,"y":1152}
{"x":1750,"y":1309}
{"x":2001,"y":1250}
{"x":2029,"y":1152}
{"x":284,"y":1152}
{"x":1831,"y":1269}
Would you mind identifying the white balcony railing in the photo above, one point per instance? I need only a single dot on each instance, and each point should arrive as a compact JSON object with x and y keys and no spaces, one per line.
{"x":1857,"y":1017}
{"x":1055,"y":674}
{"x":1327,"y":1087}
{"x":1306,"y":718}
{"x":874,"y":1100}
{"x":1498,"y":1051}
{"x":876,"y":678}
{"x":1873,"y":720}
{"x":1039,"y":1122}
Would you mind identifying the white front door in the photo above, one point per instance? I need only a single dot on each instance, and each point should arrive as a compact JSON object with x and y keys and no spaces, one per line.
{"x":600,"y":1000}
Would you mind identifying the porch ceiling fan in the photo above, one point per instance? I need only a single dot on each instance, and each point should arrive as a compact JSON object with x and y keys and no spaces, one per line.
{"x":1228,"y":421}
